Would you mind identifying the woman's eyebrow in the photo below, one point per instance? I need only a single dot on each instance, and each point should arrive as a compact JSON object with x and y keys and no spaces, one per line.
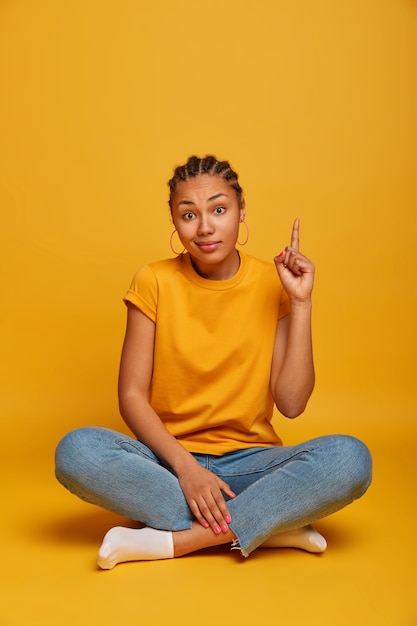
{"x":191,"y":203}
{"x":217,"y":195}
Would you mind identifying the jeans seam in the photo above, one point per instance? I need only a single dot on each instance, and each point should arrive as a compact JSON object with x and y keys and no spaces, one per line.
{"x":268,"y":467}
{"x":126,"y":443}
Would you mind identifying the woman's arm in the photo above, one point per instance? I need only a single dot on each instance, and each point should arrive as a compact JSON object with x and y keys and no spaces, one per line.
{"x":135,"y":377}
{"x":292,"y":371}
{"x":202,"y":489}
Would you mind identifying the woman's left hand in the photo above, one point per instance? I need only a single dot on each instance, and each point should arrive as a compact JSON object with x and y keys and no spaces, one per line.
{"x":295,"y":270}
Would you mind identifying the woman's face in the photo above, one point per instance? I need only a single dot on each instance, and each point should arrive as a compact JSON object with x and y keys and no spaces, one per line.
{"x":206,"y":213}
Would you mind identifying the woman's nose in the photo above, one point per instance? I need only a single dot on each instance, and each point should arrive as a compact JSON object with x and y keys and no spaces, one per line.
{"x":205,"y":226}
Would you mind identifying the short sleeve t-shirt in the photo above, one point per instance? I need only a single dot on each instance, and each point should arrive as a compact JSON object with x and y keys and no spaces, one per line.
{"x":213,"y":350}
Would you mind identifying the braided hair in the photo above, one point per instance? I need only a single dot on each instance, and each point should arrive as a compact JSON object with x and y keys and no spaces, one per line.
{"x":197,"y":166}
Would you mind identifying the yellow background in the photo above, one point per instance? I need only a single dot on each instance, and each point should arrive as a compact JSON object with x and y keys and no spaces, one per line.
{"x":314,"y":103}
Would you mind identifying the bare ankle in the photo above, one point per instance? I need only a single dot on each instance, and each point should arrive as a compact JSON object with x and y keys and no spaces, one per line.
{"x":198,"y":538}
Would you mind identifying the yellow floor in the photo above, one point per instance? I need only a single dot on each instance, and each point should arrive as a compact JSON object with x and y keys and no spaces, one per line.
{"x":49,"y":575}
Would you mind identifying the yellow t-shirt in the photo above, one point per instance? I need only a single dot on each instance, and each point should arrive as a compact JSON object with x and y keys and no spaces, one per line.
{"x":213,"y":349}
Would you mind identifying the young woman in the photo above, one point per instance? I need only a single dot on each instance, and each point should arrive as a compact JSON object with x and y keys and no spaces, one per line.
{"x":214,"y":339}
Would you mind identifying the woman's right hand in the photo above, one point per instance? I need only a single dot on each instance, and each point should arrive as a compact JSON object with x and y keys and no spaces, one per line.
{"x":203,"y":491}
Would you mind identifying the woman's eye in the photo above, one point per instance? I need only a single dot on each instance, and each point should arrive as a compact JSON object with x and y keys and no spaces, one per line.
{"x":189,"y":215}
{"x":219,"y":209}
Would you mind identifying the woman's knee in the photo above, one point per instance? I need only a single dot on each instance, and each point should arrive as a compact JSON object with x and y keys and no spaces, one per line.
{"x":355,"y":462}
{"x":76,"y":449}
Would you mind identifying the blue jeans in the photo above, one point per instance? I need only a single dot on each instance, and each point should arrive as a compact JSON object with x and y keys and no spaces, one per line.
{"x":278,"y":488}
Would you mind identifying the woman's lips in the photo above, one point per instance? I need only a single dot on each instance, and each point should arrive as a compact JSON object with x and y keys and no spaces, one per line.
{"x":208,"y":246}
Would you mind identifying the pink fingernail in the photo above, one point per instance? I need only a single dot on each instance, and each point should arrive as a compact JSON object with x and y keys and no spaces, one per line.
{"x":228,"y":519}
{"x":206,"y":524}
{"x":217,"y":529}
{"x":281,"y":254}
{"x":224,"y":528}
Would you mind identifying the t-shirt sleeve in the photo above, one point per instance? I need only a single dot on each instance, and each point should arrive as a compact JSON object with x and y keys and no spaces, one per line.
{"x":284,"y":306}
{"x":143,"y":292}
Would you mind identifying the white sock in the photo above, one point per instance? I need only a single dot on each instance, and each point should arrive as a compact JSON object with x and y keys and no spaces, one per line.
{"x":134,"y":544}
{"x":306,"y":538}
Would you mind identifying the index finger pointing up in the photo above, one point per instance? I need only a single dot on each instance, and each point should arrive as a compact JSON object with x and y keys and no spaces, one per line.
{"x":295,"y":236}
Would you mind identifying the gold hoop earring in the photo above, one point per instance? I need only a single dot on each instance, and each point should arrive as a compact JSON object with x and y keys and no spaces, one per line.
{"x":243,"y":243}
{"x":172,"y":247}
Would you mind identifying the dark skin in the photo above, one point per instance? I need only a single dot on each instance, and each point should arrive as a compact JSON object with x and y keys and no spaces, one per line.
{"x":206,"y":213}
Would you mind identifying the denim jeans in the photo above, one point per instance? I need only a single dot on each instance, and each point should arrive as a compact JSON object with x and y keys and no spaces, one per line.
{"x":278,"y":488}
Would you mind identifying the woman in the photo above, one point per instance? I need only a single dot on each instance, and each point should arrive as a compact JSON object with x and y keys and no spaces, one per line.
{"x":214,"y":339}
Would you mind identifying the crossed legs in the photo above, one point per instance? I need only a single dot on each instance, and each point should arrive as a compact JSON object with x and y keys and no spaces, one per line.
{"x":281,"y":494}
